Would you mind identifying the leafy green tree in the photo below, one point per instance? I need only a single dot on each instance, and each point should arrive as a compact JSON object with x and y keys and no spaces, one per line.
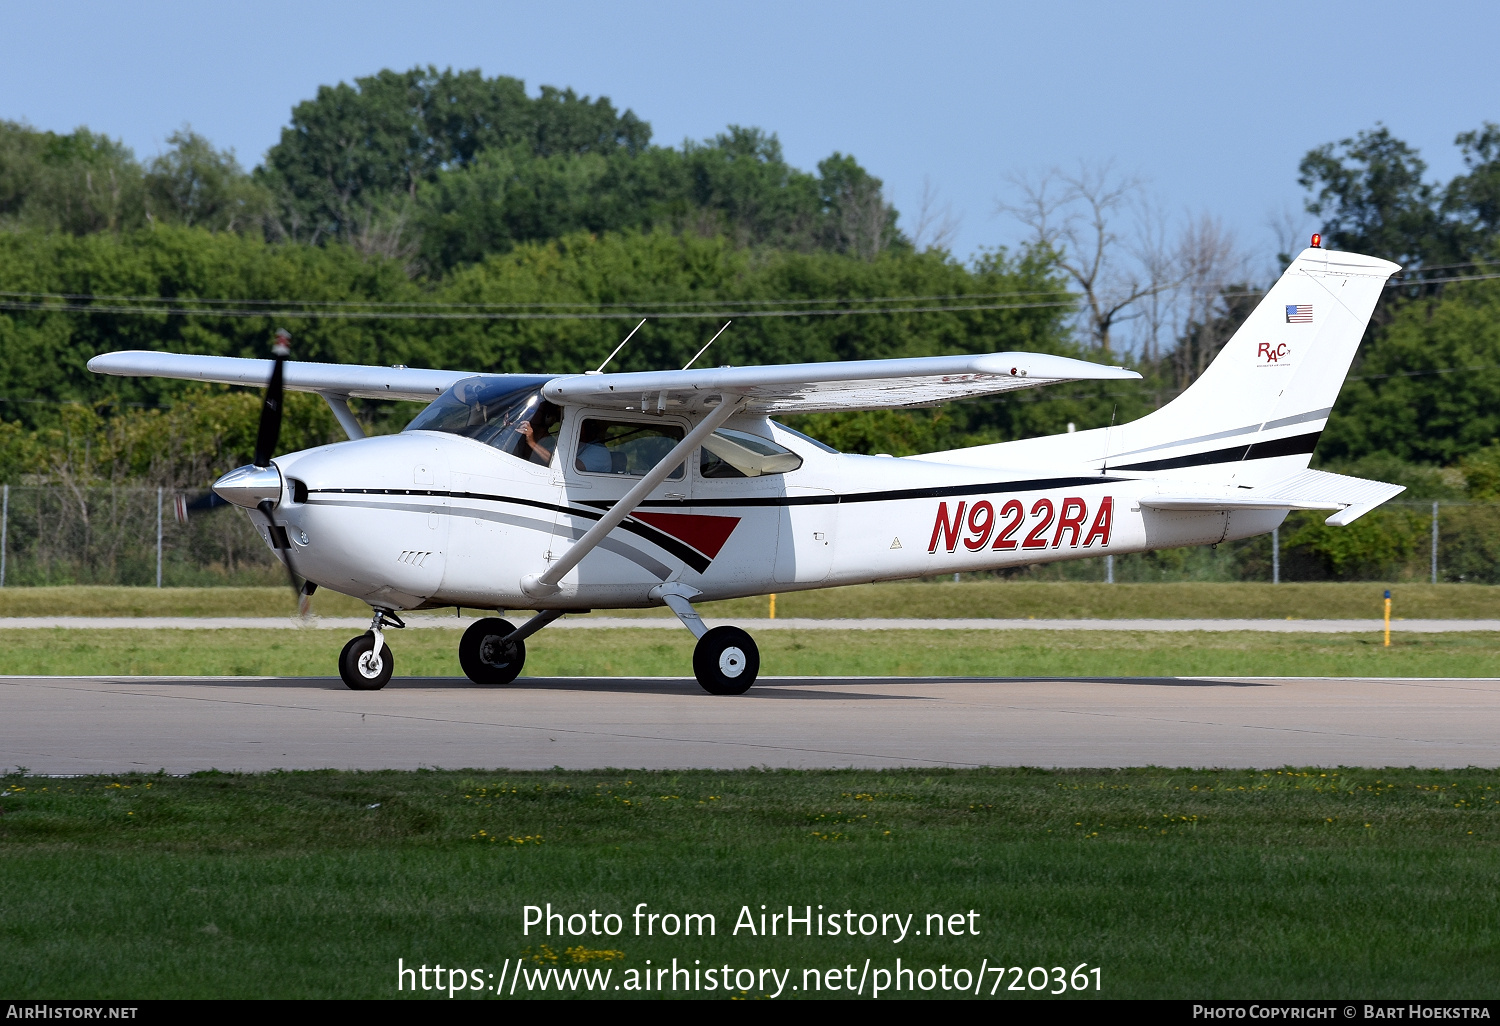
{"x":1371,"y":196}
{"x":1427,"y":388}
{"x":77,"y":183}
{"x":194,"y":184}
{"x":737,"y":184}
{"x":1474,"y":199}
{"x":21,"y":150}
{"x":859,"y":221}
{"x":1370,"y":192}
{"x":353,"y":146}
{"x":1481,"y":471}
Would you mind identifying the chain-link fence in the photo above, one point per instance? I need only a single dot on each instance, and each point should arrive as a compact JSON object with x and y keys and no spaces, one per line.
{"x":130,"y":535}
{"x":52,"y":535}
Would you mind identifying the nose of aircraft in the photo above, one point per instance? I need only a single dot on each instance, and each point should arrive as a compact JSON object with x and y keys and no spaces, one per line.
{"x":250,"y":486}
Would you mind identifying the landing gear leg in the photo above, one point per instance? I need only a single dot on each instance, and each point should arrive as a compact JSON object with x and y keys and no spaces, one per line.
{"x":726,"y":660}
{"x":366,"y":663}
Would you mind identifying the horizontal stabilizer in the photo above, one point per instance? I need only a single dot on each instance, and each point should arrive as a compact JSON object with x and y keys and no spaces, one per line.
{"x":1351,"y":497}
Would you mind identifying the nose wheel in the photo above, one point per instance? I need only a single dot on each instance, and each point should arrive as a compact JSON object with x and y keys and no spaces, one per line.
{"x":726,"y":661}
{"x":488,"y":653}
{"x":366,"y":663}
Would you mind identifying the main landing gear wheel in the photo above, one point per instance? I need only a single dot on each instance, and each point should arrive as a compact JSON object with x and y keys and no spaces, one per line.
{"x":726,"y":661}
{"x":360,"y":666}
{"x":485,"y":654}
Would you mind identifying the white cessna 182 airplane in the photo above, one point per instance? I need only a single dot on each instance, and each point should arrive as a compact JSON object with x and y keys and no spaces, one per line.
{"x":569,"y":492}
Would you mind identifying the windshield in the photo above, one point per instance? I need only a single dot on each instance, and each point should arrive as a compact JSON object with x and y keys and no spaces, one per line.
{"x":505,"y":411}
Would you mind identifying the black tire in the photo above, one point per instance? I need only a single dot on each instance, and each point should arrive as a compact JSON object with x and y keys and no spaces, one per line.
{"x":485,"y":655}
{"x":726,"y":661}
{"x":355,"y":664}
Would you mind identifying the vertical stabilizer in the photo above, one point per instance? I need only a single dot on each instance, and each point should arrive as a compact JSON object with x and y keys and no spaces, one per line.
{"x":1255,"y":415}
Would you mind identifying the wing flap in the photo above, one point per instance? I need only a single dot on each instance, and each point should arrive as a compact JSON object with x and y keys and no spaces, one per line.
{"x":817,"y":387}
{"x":1350,"y":497}
{"x":337,"y":379}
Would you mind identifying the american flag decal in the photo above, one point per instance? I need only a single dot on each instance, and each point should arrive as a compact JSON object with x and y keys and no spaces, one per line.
{"x":1299,"y":314}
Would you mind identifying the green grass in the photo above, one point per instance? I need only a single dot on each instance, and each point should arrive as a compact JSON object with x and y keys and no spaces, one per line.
{"x":1000,"y":599}
{"x":433,"y":653}
{"x":1201,"y":884}
{"x":924,"y":599}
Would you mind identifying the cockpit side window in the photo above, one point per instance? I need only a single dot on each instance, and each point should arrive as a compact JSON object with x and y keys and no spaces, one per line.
{"x":512,"y":416}
{"x":625,"y":448}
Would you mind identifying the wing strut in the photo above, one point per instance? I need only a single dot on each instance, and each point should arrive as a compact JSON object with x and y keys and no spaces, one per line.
{"x":545,"y":584}
{"x":339,"y":404}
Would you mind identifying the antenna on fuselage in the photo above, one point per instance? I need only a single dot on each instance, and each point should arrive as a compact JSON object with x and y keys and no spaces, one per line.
{"x":611,"y":356}
{"x":705,"y":348}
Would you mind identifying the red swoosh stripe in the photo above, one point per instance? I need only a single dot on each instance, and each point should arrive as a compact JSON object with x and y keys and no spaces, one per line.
{"x":704,"y":533}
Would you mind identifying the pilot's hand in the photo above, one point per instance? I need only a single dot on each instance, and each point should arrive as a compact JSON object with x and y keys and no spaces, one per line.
{"x":525,"y":430}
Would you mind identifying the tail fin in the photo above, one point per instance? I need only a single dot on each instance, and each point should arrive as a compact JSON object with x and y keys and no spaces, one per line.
{"x":1255,"y":415}
{"x":1266,"y":397}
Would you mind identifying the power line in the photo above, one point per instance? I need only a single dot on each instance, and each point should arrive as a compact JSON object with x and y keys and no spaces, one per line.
{"x":658,"y":314}
{"x":87,"y":303}
{"x":420,"y":304}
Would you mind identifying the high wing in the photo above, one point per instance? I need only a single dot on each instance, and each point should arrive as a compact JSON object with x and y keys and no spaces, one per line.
{"x":329,"y":379}
{"x":1352,"y":497}
{"x":783,"y":388}
{"x":815,"y":387}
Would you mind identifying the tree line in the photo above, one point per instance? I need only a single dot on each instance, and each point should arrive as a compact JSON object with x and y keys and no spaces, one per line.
{"x":438,"y":169}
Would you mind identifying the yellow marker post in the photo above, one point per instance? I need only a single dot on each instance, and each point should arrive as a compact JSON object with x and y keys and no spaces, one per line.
{"x":1387,"y":618}
{"x":773,"y":605}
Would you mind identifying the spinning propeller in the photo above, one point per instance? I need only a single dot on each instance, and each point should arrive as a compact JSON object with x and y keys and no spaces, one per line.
{"x":265,"y":448}
{"x":259,"y":485}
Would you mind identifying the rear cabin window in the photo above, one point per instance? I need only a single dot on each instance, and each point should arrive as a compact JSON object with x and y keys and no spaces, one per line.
{"x":625,"y":449}
{"x":735,"y":454}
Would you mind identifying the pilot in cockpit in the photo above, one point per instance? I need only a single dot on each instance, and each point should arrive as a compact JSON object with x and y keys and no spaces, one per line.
{"x":539,"y":432}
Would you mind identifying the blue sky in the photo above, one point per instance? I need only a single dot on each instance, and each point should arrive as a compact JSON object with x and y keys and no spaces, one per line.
{"x":1212,"y":104}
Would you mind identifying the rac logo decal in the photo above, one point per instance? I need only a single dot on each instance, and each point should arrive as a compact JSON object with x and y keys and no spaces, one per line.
{"x":980,"y":525}
{"x":1271,"y":355}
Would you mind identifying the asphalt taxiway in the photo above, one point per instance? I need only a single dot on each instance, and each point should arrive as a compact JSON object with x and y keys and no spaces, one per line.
{"x":68,"y":725}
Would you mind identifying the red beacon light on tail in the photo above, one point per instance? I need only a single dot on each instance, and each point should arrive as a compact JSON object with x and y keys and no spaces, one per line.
{"x":1317,"y":241}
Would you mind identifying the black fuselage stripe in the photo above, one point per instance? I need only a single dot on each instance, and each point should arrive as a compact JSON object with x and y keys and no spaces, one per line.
{"x":895,"y":495}
{"x":1296,"y":445}
{"x":689,"y":555}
